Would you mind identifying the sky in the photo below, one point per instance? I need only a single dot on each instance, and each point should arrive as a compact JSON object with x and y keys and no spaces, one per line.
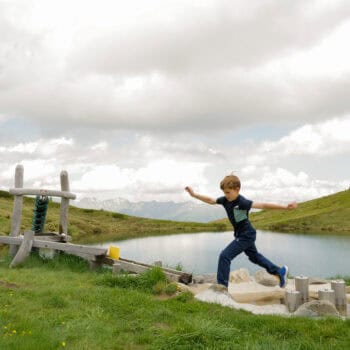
{"x":138,"y":99}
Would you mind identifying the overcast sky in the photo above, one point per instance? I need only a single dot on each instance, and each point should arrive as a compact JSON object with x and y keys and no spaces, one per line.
{"x":138,"y":99}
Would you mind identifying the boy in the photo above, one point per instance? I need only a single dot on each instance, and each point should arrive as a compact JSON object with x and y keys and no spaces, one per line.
{"x":237,"y":208}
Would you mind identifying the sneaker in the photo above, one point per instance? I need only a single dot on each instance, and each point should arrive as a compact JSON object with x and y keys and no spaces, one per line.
{"x":219,"y":288}
{"x":282,"y":274}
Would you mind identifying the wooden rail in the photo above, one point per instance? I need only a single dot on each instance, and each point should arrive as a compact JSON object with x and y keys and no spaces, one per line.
{"x":41,"y":192}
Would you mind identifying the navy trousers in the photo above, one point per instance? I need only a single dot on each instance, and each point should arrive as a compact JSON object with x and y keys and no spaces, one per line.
{"x":241,"y":244}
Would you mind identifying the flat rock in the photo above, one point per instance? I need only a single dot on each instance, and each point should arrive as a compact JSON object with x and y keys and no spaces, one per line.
{"x":239,"y":276}
{"x":211,"y":296}
{"x":266,"y":279}
{"x":317,"y":308}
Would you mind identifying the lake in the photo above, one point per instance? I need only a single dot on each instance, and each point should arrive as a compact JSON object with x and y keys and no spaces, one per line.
{"x":308,"y":255}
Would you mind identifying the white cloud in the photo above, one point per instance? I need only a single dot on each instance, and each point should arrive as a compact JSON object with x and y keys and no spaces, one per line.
{"x":172,"y":65}
{"x":322,"y":139}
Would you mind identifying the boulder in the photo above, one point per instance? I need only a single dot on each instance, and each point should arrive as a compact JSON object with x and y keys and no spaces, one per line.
{"x":266,"y":279}
{"x":317,"y":308}
{"x":239,"y":276}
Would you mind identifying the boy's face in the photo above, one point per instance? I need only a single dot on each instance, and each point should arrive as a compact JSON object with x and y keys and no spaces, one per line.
{"x":231,"y":193}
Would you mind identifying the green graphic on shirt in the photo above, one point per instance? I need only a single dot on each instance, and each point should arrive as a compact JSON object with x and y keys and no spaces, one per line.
{"x":239,"y":214}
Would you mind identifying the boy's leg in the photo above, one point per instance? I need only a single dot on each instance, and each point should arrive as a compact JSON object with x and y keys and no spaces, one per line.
{"x":229,"y":253}
{"x":257,"y":258}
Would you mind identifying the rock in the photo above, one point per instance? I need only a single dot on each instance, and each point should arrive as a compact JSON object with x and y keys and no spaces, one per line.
{"x":316,"y":280}
{"x":266,"y":279}
{"x":198,"y":279}
{"x":239,"y":276}
{"x":210,"y":278}
{"x":317,"y":308}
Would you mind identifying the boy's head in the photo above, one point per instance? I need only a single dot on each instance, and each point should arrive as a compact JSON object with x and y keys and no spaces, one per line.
{"x":230,"y":185}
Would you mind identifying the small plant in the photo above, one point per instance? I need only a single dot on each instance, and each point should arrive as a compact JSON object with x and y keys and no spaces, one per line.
{"x":171,"y":288}
{"x":179,"y":267}
{"x":145,"y":281}
{"x":185,"y":297}
{"x":118,"y":216}
{"x":159,"y":287}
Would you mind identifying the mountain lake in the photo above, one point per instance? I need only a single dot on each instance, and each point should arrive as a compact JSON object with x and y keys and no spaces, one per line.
{"x":311,"y":255}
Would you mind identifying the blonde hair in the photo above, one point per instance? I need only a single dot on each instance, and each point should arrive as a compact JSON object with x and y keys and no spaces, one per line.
{"x":230,"y":182}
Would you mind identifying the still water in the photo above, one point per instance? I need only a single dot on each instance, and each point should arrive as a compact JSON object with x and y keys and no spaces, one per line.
{"x":309,"y":255}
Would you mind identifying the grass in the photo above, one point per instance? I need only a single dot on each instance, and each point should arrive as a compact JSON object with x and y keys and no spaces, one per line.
{"x":330,"y":214}
{"x":89,"y":226}
{"x":59,"y":304}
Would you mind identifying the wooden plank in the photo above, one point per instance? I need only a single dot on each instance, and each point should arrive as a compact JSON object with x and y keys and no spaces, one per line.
{"x":17,"y":209}
{"x":42,"y":192}
{"x":63,"y":226}
{"x":65,"y":247}
{"x":24,"y":249}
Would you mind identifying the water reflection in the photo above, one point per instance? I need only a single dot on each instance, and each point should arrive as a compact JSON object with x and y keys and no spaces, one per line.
{"x":310,"y":255}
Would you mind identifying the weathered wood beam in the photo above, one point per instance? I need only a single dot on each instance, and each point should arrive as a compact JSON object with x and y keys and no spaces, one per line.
{"x":17,"y":208}
{"x":24,"y":249}
{"x":65,"y":247}
{"x":63,"y":226}
{"x":41,"y":192}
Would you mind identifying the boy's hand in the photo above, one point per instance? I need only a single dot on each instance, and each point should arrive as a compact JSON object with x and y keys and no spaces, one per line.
{"x":292,"y":205}
{"x":189,"y":190}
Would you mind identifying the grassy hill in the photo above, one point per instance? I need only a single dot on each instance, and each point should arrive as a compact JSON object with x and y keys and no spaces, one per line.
{"x":330,"y":214}
{"x":88,"y":225}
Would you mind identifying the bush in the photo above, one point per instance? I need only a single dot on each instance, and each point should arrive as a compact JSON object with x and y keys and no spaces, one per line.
{"x":5,"y":194}
{"x":171,"y":288}
{"x":145,"y":281}
{"x":185,"y":297}
{"x":118,"y":216}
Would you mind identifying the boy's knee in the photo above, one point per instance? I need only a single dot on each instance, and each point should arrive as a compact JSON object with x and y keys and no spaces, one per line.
{"x":253,"y":258}
{"x":224,"y":256}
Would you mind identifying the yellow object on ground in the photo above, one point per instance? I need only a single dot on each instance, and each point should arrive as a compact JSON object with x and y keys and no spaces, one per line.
{"x":114,"y":252}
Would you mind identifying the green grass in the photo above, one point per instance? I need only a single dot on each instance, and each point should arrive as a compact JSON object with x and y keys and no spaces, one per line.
{"x":330,"y":214}
{"x":60,"y":304}
{"x":88,"y":225}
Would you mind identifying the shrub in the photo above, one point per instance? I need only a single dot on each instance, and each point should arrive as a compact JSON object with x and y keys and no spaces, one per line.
{"x":171,"y":288}
{"x":118,"y":216}
{"x":5,"y":194}
{"x":185,"y":297}
{"x":145,"y":281}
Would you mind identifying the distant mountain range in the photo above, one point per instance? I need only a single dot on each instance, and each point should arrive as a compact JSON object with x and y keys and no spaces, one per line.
{"x":183,"y":211}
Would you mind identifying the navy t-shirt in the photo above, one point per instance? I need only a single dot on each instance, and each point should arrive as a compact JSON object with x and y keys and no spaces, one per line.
{"x":238,"y":214}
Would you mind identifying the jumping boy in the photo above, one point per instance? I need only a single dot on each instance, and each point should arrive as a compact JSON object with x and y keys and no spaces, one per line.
{"x":237,"y":208}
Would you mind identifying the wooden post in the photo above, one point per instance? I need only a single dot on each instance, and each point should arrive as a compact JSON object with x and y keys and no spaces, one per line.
{"x":302,"y":286}
{"x":24,"y":249}
{"x":327,"y":294}
{"x":340,"y":296}
{"x":63,"y":227}
{"x":292,"y":300}
{"x":17,"y":209}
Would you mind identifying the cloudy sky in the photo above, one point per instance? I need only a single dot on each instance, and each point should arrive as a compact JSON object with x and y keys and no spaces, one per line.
{"x":138,"y":99}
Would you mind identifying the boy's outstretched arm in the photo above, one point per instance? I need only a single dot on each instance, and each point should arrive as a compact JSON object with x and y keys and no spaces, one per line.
{"x":257,"y":205}
{"x":204,"y":199}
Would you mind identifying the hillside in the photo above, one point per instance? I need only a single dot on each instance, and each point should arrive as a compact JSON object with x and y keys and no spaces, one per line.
{"x":330,"y":214}
{"x":88,"y":225}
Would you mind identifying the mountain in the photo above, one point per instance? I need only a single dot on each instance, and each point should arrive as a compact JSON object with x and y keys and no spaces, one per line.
{"x":329,"y":214}
{"x":183,"y":211}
